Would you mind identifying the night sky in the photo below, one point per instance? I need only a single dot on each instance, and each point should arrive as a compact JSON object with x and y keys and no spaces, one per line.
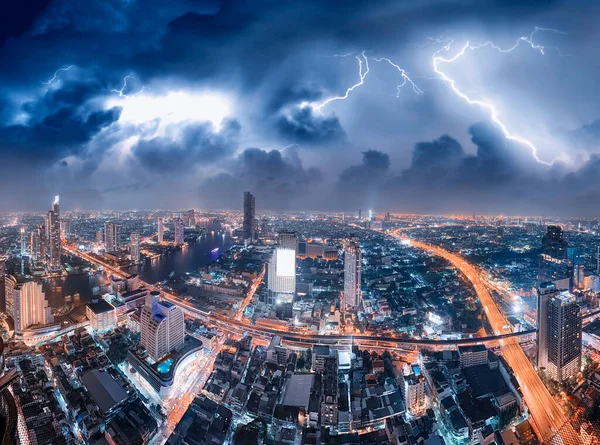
{"x":131,"y":104}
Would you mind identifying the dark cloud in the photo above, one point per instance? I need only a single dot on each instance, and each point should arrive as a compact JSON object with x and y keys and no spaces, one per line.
{"x":358,"y":185}
{"x":278,"y":181}
{"x":56,"y":125}
{"x":187,"y":145}
{"x":303,"y":126}
{"x":251,"y":51}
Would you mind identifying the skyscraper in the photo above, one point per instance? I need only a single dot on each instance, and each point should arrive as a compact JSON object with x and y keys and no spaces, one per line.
{"x":42,"y":256}
{"x":159,"y":235}
{"x":162,"y":327}
{"x":53,"y":231}
{"x":552,"y":261}
{"x":559,"y":332}
{"x":564,"y":337}
{"x":26,"y":303}
{"x":281,"y":281}
{"x":179,"y":231}
{"x":134,"y":246}
{"x":248,"y":228}
{"x":288,"y":240}
{"x":112,"y":237}
{"x":34,"y":245}
{"x":545,"y":291}
{"x":190,"y":218}
{"x":352,"y":274}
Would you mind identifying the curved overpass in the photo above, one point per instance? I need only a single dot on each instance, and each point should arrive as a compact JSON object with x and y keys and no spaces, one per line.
{"x":230,"y":324}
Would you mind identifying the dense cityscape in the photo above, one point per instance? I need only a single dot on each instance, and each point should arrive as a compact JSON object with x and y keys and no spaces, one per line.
{"x":192,"y":327}
{"x":315,"y":222}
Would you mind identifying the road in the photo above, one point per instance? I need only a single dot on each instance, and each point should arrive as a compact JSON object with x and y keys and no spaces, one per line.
{"x":548,"y":416}
{"x":239,"y":327}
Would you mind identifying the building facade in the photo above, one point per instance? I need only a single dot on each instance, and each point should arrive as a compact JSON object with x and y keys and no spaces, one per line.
{"x":249,"y":225}
{"x":53,"y":231}
{"x":112,"y":237}
{"x":179,"y":231}
{"x":26,"y":303}
{"x":134,"y":246}
{"x":564,"y":337}
{"x":352,"y":275}
{"x":162,"y":327}
{"x":102,"y":315}
{"x":159,"y":233}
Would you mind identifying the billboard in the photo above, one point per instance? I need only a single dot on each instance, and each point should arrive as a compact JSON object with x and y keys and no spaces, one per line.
{"x":286,"y":262}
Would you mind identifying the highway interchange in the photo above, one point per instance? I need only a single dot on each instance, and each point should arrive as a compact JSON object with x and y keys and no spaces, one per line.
{"x":549,"y":420}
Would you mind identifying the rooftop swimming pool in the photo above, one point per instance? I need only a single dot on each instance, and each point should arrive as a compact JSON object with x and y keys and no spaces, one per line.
{"x":165,"y":366}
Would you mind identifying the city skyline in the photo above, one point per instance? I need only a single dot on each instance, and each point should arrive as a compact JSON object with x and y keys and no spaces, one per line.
{"x":301,"y":222}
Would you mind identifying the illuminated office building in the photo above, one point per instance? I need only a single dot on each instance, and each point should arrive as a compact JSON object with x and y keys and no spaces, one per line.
{"x":281,"y":281}
{"x":134,"y":246}
{"x":26,"y":303}
{"x":249,"y":224}
{"x":559,"y":333}
{"x":352,"y":274}
{"x":112,"y":237}
{"x":162,"y":327}
{"x":159,"y":234}
{"x":553,"y":264}
{"x":179,"y":231}
{"x":53,"y":231}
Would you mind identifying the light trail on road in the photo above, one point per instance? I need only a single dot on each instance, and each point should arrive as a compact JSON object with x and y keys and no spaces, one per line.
{"x":549,"y":419}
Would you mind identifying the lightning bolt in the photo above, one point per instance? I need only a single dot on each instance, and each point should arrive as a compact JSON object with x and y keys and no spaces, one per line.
{"x":493,"y":112}
{"x":363,"y":70}
{"x":403,"y":74}
{"x":120,"y":91}
{"x":53,"y":78}
{"x":362,"y":61}
{"x":288,"y":146}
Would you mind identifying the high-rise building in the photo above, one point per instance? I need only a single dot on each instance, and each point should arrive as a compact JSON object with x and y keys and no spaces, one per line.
{"x":288,"y":240}
{"x":553,"y":264}
{"x":329,"y":398}
{"x":413,"y":390}
{"x":352,"y":274}
{"x":190,"y":218}
{"x":159,"y":235}
{"x":26,"y":303}
{"x":559,"y":333}
{"x":579,"y":274}
{"x":42,"y":256}
{"x":281,"y":281}
{"x":99,"y":236}
{"x":162,"y":327}
{"x":34,"y":245}
{"x":565,"y":337}
{"x":134,"y":246}
{"x":112,"y":237}
{"x":248,"y":228}
{"x":53,"y":231}
{"x":66,"y":226}
{"x":545,"y":291}
{"x":179,"y":231}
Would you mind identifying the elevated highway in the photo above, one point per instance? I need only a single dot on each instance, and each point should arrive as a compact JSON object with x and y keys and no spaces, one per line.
{"x":549,"y":419}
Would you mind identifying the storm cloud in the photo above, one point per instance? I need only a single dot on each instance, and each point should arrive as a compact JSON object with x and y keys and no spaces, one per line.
{"x":254,"y":73}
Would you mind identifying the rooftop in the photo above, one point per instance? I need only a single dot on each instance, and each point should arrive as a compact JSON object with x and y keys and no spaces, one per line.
{"x":298,"y":390}
{"x":105,"y":391}
{"x":100,"y":307}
